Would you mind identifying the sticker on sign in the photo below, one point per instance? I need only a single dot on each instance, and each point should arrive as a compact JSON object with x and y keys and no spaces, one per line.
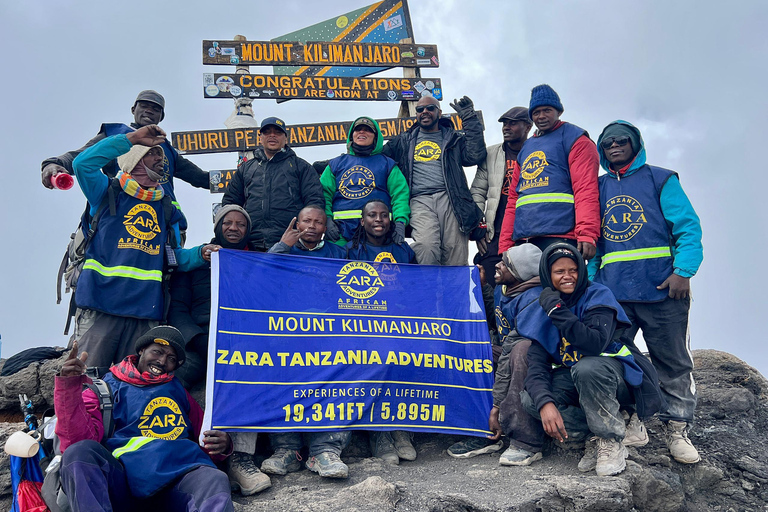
{"x":393,"y":22}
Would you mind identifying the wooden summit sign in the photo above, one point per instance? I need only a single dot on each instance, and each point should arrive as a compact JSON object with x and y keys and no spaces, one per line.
{"x":216,"y":85}
{"x":300,"y":135}
{"x":322,"y":53}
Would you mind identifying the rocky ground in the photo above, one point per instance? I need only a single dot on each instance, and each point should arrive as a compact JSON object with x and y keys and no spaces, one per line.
{"x":732,"y":419}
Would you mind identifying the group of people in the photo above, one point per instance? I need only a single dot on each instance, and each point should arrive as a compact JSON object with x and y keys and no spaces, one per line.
{"x":572,"y":266}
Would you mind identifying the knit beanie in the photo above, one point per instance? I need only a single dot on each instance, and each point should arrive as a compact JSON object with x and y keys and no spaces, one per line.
{"x":164,"y":335}
{"x":224,"y":210}
{"x":129,"y":160}
{"x":544,"y":95}
{"x":523,"y":261}
{"x":622,"y":130}
{"x":561,"y":252}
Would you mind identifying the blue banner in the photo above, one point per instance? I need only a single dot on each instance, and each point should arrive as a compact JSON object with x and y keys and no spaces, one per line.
{"x":311,"y":344}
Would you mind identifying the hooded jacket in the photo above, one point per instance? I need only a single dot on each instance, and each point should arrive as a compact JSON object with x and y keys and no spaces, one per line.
{"x":123,"y":270}
{"x":675,"y":226}
{"x":588,"y":324}
{"x":273,"y":191}
{"x":349,"y":181}
{"x":459,"y":149}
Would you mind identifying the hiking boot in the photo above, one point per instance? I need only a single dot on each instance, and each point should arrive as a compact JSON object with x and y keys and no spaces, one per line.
{"x":245,"y":476}
{"x":383,"y":447}
{"x":636,"y":434}
{"x":611,"y":457}
{"x":679,"y":445}
{"x":403,"y":446}
{"x":514,"y":456}
{"x":473,"y":446}
{"x":589,"y":460}
{"x":328,"y":465}
{"x":282,"y":462}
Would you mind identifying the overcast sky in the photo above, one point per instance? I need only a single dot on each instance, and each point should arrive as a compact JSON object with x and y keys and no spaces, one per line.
{"x":690,"y":75}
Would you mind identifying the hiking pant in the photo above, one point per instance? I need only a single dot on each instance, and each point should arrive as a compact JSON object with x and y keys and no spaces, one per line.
{"x":588,"y":395}
{"x":107,"y":338}
{"x":523,"y":430}
{"x":94,"y":480}
{"x":665,"y":330}
{"x":318,"y":442}
{"x":437,"y":237}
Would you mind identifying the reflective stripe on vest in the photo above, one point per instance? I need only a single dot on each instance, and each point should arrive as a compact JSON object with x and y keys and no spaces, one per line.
{"x":176,"y":204}
{"x":623,"y":352}
{"x":131,"y":446}
{"x":123,"y":271}
{"x":544,"y":198}
{"x":348,"y":214}
{"x":636,"y":254}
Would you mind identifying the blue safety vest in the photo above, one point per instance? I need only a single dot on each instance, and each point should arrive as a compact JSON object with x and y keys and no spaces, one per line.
{"x":152,"y":437}
{"x":169,"y":165}
{"x":358,"y":180}
{"x":635,"y":242}
{"x":123,"y":270}
{"x":545,"y":204}
{"x":392,"y":253}
{"x":532,"y":322}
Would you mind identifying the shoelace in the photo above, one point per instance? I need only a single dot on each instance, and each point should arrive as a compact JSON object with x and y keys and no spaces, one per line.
{"x":246,"y":464}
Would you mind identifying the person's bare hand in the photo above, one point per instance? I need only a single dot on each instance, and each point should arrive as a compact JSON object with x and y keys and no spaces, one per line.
{"x":494,"y":425}
{"x":74,"y":366}
{"x":150,"y":135}
{"x":679,"y":287}
{"x":292,"y":235}
{"x":482,"y":246}
{"x":215,"y":441}
{"x":209,"y":249}
{"x":587,"y":250}
{"x":552,"y":422}
{"x":49,"y":171}
{"x":481,"y":270}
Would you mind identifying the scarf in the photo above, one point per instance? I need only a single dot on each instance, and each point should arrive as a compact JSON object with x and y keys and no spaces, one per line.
{"x":126,"y":371}
{"x":363,"y":150}
{"x":132,"y":188}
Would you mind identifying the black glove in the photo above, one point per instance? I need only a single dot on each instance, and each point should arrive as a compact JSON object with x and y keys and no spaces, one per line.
{"x":331,"y":231}
{"x":550,"y":299}
{"x":463,"y":106}
{"x":398,"y":236}
{"x":479,"y":232}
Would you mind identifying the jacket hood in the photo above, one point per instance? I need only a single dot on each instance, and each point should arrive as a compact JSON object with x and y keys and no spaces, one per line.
{"x":379,"y":143}
{"x":639,"y":160}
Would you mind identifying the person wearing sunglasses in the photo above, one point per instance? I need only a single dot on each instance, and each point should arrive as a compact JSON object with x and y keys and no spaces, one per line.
{"x":649,"y":250}
{"x":553,"y":194}
{"x":432,"y":155}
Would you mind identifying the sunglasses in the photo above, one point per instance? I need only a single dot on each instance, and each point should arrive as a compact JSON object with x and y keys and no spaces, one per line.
{"x":620,"y":141}
{"x":430,"y":108}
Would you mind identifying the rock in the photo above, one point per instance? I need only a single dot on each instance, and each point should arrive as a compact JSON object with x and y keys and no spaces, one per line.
{"x":654,"y":489}
{"x":35,"y":381}
{"x":593,"y":494}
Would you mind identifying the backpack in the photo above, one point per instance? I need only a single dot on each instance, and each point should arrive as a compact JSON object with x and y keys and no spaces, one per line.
{"x":74,"y":257}
{"x":51,"y":491}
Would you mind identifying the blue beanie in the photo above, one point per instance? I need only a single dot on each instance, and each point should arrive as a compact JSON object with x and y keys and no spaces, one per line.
{"x":544,"y":95}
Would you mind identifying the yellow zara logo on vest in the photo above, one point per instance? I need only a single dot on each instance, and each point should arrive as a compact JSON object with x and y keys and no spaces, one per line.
{"x":356,"y":182}
{"x":162,"y":419}
{"x":426,"y":151}
{"x":141,"y":222}
{"x":623,"y":218}
{"x":534,"y":165}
